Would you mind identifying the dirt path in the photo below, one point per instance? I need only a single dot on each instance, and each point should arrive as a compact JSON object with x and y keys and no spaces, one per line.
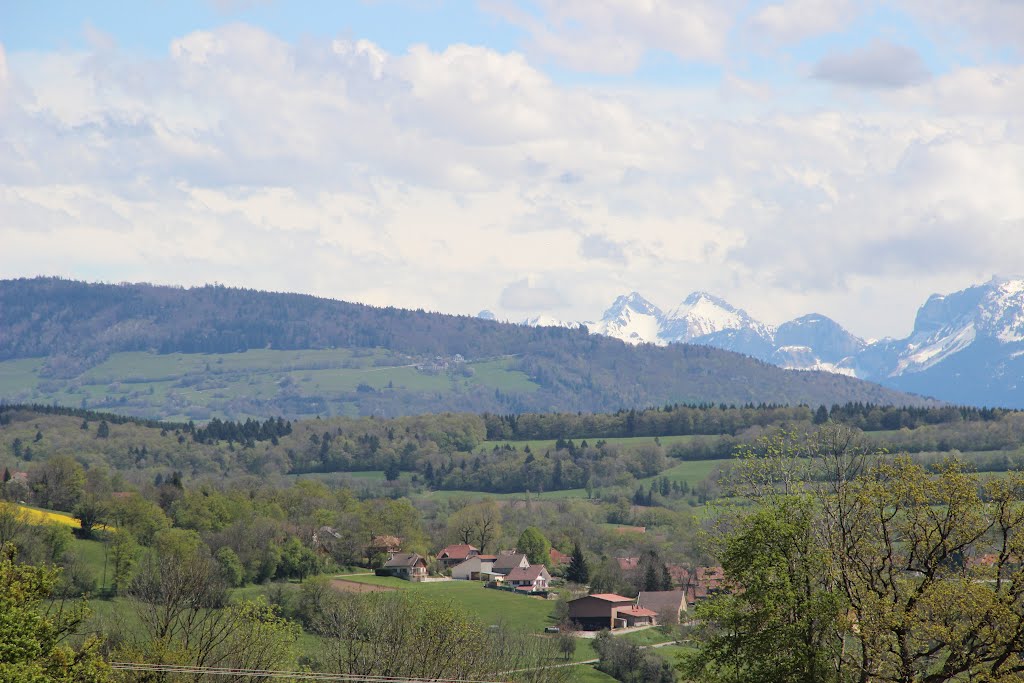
{"x":358,"y":587}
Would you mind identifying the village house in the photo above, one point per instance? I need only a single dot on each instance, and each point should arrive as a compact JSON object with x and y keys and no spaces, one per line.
{"x":506,"y":562}
{"x":383,"y":545}
{"x":628,"y":564}
{"x":533,"y":578}
{"x":558,"y":558}
{"x":475,"y":568}
{"x":323,"y":539}
{"x":408,"y":566}
{"x":456,"y":554}
{"x":600,"y":611}
{"x":667,"y":605}
{"x":699,"y":583}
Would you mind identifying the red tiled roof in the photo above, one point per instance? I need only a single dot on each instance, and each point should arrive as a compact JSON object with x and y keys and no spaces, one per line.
{"x":637,"y":612}
{"x":488,"y":558}
{"x":558,"y":557}
{"x":627,"y":563}
{"x":459,"y":551}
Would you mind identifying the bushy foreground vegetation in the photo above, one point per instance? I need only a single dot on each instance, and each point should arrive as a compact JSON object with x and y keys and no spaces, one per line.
{"x":845,"y":565}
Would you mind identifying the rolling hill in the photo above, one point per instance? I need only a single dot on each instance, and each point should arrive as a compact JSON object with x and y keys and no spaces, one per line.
{"x":168,"y":352}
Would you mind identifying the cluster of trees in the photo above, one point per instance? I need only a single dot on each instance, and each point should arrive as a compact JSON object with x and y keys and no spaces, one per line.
{"x":630,"y":663}
{"x":246,"y":432}
{"x":669,"y":420}
{"x":851,"y":566}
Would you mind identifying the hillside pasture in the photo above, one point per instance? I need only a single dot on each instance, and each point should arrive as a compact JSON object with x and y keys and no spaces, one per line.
{"x":181,"y":386}
{"x":491,"y":606}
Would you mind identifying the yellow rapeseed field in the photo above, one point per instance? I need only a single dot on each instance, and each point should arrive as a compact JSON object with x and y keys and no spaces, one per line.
{"x":40,"y":517}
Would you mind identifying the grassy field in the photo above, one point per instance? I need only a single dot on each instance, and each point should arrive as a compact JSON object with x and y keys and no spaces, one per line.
{"x":541,"y":445}
{"x":516,"y":611}
{"x":176,"y":386}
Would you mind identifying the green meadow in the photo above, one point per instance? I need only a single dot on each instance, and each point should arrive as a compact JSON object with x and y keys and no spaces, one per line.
{"x":176,"y":386}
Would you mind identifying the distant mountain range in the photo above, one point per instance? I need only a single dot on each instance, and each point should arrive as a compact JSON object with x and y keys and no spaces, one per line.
{"x":218,"y":351}
{"x":966,"y":347}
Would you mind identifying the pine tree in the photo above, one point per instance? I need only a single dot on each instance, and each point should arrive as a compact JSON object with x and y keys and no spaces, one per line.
{"x":578,"y":572}
{"x":666,"y":578}
{"x":103,"y":431}
{"x":651,"y":580}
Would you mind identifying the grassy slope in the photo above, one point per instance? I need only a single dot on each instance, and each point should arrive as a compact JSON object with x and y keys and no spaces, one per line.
{"x":166,"y":384}
{"x":517,"y":611}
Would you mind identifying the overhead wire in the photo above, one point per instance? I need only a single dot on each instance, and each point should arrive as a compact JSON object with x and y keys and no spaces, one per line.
{"x":271,"y":674}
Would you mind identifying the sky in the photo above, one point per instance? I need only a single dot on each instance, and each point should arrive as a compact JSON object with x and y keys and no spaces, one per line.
{"x":522,"y":156}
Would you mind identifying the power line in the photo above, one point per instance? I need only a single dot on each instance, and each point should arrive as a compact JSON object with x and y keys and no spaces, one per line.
{"x":270,"y":674}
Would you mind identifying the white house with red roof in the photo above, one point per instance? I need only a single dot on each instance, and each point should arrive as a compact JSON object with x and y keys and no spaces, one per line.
{"x":533,"y":578}
{"x":475,"y":568}
{"x":456,"y":554}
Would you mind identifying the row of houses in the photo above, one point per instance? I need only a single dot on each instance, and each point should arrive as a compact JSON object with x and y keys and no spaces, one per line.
{"x":507,"y":568}
{"x":467,"y":563}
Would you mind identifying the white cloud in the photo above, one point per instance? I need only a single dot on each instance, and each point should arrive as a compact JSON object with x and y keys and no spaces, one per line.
{"x":980,"y":26}
{"x":612,"y":36}
{"x":465,"y":178}
{"x":795,"y":20}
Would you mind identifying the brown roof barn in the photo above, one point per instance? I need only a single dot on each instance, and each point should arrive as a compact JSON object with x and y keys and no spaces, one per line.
{"x":598,"y":611}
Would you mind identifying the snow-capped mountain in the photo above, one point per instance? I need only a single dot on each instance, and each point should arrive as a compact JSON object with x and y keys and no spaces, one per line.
{"x":703,"y":318}
{"x":966,"y":347}
{"x":702,"y":314}
{"x":549,"y":321}
{"x":631,"y":318}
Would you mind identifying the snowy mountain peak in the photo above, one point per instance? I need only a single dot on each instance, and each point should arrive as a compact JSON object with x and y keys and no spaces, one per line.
{"x":701,"y":314}
{"x":631,"y":318}
{"x":633,"y":302}
{"x":697,"y":297}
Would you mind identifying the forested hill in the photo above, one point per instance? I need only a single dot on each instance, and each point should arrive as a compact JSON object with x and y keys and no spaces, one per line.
{"x":169,"y":352}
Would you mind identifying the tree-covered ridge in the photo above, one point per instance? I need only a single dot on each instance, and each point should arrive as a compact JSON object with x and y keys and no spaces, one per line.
{"x":488,"y":453}
{"x":75,"y":326}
